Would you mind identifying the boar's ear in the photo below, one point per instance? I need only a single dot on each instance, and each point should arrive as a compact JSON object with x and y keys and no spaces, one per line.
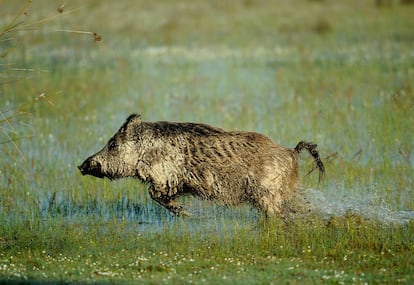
{"x":134,"y":118}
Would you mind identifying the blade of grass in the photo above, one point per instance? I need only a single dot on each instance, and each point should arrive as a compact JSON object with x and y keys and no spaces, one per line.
{"x":13,"y":23}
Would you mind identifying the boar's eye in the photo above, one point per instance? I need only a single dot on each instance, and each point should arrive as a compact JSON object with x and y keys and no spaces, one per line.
{"x":112,"y":144}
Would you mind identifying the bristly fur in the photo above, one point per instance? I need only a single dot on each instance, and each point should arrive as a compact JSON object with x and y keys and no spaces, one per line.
{"x":175,"y":159}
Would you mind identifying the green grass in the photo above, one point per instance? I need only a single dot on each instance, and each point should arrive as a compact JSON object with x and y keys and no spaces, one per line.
{"x":345,"y":250}
{"x":338,"y":73}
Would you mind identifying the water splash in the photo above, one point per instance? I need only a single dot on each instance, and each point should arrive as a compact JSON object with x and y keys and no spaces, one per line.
{"x":367,"y":205}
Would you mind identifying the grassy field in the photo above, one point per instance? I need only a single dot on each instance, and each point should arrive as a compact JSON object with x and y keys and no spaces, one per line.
{"x":339,"y":73}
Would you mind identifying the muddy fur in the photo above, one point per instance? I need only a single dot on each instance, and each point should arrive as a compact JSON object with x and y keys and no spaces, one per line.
{"x":176,"y":159}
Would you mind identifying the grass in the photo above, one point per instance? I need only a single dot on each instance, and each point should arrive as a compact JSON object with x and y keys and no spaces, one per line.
{"x":334,"y":72}
{"x":341,"y":251}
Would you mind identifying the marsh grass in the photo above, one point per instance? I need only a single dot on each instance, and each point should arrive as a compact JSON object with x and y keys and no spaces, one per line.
{"x":252,"y":65}
{"x":340,"y":250}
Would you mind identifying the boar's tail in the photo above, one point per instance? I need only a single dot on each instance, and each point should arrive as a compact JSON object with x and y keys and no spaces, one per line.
{"x":311,"y":148}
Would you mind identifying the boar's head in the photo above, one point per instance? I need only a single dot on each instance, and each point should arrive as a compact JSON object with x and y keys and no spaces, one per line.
{"x":119,"y":157}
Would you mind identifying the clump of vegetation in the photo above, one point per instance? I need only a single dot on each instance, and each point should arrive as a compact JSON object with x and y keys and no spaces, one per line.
{"x":322,"y":26}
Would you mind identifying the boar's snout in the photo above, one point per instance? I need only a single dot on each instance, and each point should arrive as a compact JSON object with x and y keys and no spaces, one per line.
{"x":91,"y":167}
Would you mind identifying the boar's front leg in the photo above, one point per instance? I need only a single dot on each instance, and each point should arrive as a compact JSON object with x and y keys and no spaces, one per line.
{"x":167,"y":201}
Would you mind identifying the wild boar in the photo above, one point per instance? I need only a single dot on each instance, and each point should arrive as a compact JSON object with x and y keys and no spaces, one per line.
{"x":176,"y":159}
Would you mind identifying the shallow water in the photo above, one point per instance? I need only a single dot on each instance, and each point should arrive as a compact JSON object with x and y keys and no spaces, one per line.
{"x":367,"y":205}
{"x":210,"y":86}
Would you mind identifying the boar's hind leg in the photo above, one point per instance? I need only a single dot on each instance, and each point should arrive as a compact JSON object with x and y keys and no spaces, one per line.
{"x":167,"y":201}
{"x":270,"y":202}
